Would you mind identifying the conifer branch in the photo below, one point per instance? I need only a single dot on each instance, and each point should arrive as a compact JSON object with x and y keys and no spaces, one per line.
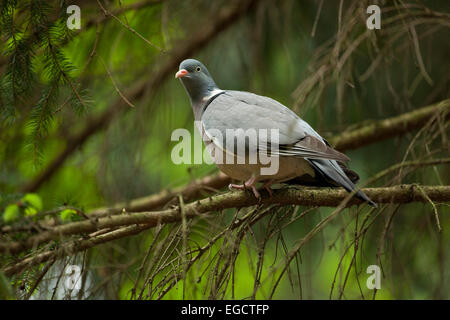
{"x":135,"y":222}
{"x":305,"y":196}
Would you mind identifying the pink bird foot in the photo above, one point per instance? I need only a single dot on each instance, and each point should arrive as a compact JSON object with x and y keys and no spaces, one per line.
{"x":267,"y":187}
{"x":250,"y":183}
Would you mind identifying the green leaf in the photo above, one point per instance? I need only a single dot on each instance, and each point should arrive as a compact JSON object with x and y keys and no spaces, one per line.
{"x":33,"y":200}
{"x":30,"y":211}
{"x":6,"y":291}
{"x":67,"y":214}
{"x":12,"y":212}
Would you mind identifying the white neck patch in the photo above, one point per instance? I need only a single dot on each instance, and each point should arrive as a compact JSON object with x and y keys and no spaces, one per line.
{"x":212,"y":94}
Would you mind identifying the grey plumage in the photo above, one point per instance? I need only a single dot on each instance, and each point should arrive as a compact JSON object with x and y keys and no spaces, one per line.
{"x":296,"y":137}
{"x":301,"y":150}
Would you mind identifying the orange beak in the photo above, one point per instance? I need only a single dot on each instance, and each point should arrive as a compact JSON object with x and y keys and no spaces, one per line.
{"x":181,"y":73}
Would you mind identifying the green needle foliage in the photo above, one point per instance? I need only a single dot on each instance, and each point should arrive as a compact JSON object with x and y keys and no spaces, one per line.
{"x":34,"y":40}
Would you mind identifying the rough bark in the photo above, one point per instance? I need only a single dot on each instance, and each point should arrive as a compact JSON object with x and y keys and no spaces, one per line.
{"x":292,"y":196}
{"x":387,"y":128}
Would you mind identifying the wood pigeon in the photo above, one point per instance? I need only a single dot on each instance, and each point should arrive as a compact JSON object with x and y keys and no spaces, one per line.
{"x":304,"y":157}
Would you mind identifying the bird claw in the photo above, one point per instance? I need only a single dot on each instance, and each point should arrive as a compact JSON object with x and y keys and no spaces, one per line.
{"x":245,"y":186}
{"x":232,"y":186}
{"x":267,"y":187}
{"x":269,"y":190}
{"x":250,"y":185}
{"x":256,"y":193}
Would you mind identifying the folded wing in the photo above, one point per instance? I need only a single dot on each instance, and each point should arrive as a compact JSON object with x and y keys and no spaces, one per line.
{"x":238,"y":116}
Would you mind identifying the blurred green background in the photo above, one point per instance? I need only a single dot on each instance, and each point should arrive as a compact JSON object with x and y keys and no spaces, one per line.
{"x":316,"y":57}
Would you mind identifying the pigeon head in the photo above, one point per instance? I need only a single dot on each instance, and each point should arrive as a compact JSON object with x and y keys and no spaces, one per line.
{"x":196,"y":80}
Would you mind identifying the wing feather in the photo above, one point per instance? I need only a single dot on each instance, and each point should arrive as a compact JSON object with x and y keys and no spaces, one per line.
{"x":242,"y":110}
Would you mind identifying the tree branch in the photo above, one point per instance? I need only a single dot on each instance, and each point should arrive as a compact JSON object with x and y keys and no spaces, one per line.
{"x":291,"y":196}
{"x":121,"y":10}
{"x":194,"y":190}
{"x":74,"y":247}
{"x":390,"y":127}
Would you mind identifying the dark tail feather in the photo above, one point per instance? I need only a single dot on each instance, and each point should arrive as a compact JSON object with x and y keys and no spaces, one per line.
{"x":331,"y":171}
{"x":352,"y":175}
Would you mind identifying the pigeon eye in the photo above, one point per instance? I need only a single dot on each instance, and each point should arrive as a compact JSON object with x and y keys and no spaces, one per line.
{"x":198,"y":69}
